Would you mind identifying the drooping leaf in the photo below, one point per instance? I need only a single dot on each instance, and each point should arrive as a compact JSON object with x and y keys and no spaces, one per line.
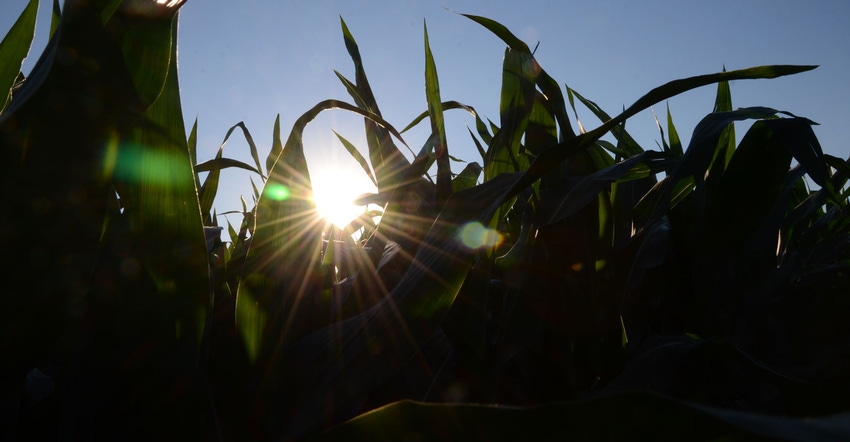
{"x":547,"y":84}
{"x":804,"y":146}
{"x":467,"y":178}
{"x":352,"y":90}
{"x":624,"y":139}
{"x":572,"y":196}
{"x":696,"y":161}
{"x":644,"y":414}
{"x":447,"y":105}
{"x":352,"y":150}
{"x":748,"y":189}
{"x":502,"y":32}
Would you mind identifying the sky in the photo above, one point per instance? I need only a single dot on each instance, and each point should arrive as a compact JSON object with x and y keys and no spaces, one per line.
{"x":251,"y":60}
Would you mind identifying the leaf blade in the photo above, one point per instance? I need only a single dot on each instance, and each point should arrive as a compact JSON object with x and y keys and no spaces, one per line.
{"x":14,"y":49}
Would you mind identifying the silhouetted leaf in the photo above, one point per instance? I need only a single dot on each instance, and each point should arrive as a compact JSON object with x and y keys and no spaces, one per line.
{"x":387,"y":161}
{"x":617,"y":417}
{"x":14,"y":49}
{"x":352,"y":150}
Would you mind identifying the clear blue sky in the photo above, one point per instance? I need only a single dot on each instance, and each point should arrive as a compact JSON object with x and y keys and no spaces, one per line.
{"x":250,"y":60}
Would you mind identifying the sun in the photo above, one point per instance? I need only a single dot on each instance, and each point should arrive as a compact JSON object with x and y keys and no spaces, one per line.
{"x":334,"y":189}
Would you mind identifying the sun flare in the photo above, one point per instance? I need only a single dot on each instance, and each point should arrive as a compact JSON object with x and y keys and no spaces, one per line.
{"x":333,"y":193}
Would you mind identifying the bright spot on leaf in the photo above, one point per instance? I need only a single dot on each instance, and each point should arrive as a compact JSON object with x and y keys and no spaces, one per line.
{"x":277,"y":192}
{"x":475,"y":236}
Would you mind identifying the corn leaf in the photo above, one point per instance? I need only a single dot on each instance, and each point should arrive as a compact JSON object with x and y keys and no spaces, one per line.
{"x":277,"y":146}
{"x":673,"y":135}
{"x":387,"y":161}
{"x":276,"y":302}
{"x":446,"y":105}
{"x":133,"y":142}
{"x":625,"y":141}
{"x":542,"y":131}
{"x":55,"y":18}
{"x":697,"y":159}
{"x":252,"y":146}
{"x":555,"y":104}
{"x":549,"y":87}
{"x":14,"y":49}
{"x":502,"y":32}
{"x":352,"y":150}
{"x":192,"y":145}
{"x":572,"y":195}
{"x":651,"y":416}
{"x":438,"y":125}
{"x":161,"y":206}
{"x":207,"y":191}
{"x":478,"y":145}
{"x":749,"y":187}
{"x":416,"y":306}
{"x":278,"y":278}
{"x":467,"y":178}
{"x":504,"y":154}
{"x":726,"y":143}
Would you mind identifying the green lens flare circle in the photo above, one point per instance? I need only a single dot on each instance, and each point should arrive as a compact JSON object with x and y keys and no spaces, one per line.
{"x":475,"y":236}
{"x":277,"y":192}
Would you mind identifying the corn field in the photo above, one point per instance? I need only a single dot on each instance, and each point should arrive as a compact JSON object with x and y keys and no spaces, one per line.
{"x":569,"y":283}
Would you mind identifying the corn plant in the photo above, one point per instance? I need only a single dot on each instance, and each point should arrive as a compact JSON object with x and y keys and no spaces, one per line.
{"x":110,"y":272}
{"x":683,"y":292}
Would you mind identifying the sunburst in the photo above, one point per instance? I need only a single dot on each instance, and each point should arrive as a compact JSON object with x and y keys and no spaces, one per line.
{"x":334,"y":191}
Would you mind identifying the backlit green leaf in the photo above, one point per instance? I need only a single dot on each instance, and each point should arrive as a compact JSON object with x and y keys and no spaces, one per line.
{"x":438,"y":125}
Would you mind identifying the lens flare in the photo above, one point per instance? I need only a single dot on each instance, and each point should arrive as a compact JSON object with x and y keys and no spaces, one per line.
{"x":475,"y":236}
{"x":277,"y":192}
{"x":142,"y":164}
